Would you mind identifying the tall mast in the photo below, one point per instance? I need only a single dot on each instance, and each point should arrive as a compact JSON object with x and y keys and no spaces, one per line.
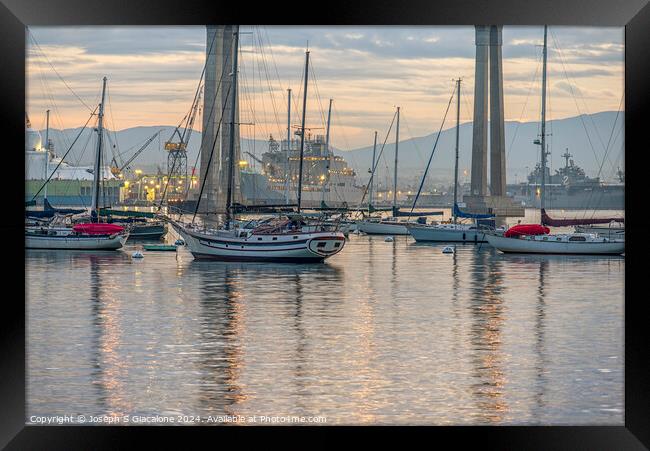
{"x":233,"y":117}
{"x":47,"y":151}
{"x":543,"y":140}
{"x":395,"y":172}
{"x":372,"y":178}
{"x":302,"y":129}
{"x":457,"y":141}
{"x":286,"y":162}
{"x":327,"y":149}
{"x":94,"y":208}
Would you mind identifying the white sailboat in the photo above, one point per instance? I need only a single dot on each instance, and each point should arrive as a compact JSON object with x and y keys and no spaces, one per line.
{"x":280,"y":239}
{"x":88,"y":236}
{"x":453,"y":232}
{"x":535,"y":239}
{"x":392,"y":225}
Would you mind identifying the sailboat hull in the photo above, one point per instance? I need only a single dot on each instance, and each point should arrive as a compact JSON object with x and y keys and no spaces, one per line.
{"x":382,"y":228}
{"x":445,"y":235}
{"x":534,"y":246}
{"x":295,"y":248}
{"x":72,"y":242}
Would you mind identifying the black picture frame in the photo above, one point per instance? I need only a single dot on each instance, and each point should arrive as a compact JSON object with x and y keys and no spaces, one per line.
{"x":633,"y":14}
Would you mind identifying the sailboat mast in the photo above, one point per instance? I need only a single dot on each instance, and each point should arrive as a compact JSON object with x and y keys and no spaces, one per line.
{"x":47,"y":151}
{"x":543,"y":140}
{"x":233,"y":117}
{"x":302,"y":129}
{"x":94,"y":207}
{"x":457,"y":143}
{"x":327,"y":149}
{"x":372,"y":178}
{"x":395,"y":171}
{"x":286,"y":161}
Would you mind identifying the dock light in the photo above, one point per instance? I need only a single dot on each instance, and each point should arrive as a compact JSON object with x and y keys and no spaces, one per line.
{"x":243,"y":163}
{"x":126,"y":184}
{"x":138,"y":171}
{"x":322,"y":177}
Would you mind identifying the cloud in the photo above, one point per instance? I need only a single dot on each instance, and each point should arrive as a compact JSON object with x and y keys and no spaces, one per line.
{"x":154,"y":71}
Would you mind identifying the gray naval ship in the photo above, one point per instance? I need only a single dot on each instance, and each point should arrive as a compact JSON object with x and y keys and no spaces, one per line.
{"x":570,"y":188}
{"x":328,"y":181}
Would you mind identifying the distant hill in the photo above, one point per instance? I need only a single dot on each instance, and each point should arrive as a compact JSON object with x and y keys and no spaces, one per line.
{"x":520,"y":150}
{"x":413,"y":153}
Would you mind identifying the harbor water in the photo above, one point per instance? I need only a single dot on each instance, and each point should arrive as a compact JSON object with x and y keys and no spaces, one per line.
{"x":382,"y":333}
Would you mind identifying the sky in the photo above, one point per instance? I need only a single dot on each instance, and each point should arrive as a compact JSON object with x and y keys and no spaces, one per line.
{"x":153,"y":73}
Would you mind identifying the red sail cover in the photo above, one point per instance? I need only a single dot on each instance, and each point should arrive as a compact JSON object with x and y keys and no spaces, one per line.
{"x":94,"y":228}
{"x":526,"y":229}
{"x":547,"y":220}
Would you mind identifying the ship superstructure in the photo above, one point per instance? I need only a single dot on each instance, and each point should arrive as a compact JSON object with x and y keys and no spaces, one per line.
{"x":327,"y":178}
{"x":570,"y":187}
{"x":69,"y":185}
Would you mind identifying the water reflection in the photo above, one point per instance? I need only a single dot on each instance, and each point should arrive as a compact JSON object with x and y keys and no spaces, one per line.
{"x":220,"y":324}
{"x":383,"y":332}
{"x":487,"y":312}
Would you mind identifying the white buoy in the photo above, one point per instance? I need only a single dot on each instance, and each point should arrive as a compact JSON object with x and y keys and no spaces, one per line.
{"x":137,"y":254}
{"x":389,"y":239}
{"x":448,"y":250}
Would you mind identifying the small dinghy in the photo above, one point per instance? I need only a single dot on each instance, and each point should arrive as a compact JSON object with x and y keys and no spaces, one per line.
{"x":448,"y":250}
{"x":389,"y":239}
{"x":137,"y":254}
{"x":179,"y":242}
{"x":160,"y":247}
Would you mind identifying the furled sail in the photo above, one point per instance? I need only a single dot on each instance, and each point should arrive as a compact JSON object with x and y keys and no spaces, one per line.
{"x":397,"y":212}
{"x":547,"y":220}
{"x":462,"y":214}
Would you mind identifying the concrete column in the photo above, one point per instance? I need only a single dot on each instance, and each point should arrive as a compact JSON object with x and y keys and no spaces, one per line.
{"x":497,"y":133}
{"x":479,"y":135}
{"x":219,"y":40}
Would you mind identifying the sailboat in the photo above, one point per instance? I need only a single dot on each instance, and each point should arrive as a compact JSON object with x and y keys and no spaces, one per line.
{"x":85,"y":236}
{"x":391,"y":225}
{"x":453,"y":232}
{"x":277,"y":239}
{"x":536,"y":238}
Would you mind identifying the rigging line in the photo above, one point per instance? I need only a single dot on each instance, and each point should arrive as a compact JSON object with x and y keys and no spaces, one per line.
{"x":214,"y":144}
{"x":576,"y":101}
{"x":224,"y":104}
{"x":606,"y":150}
{"x":426,"y":170}
{"x":318,"y":96}
{"x":66,"y":153}
{"x":523,"y":109}
{"x":112,"y":116}
{"x":413,"y":140}
{"x":76,"y":168}
{"x":31,"y":35}
{"x":56,"y":116}
{"x":377,"y":159}
{"x":555,"y":40}
{"x":264,"y":65}
{"x":273,"y":61}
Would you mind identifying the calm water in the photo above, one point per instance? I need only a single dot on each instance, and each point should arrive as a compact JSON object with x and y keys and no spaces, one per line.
{"x":381,"y":333}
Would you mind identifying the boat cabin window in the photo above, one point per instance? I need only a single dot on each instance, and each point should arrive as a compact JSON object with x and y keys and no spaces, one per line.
{"x":577,"y":238}
{"x":321,"y":244}
{"x":275,"y":238}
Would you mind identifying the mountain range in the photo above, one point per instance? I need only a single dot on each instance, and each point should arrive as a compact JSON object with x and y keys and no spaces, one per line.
{"x":586,"y":137}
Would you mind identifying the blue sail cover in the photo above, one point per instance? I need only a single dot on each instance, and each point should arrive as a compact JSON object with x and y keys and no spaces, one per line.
{"x":461,"y":214}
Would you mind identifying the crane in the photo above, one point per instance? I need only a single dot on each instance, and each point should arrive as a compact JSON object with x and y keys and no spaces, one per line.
{"x":116,"y":170}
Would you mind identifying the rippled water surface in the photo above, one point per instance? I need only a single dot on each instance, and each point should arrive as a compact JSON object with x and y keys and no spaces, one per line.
{"x":384,"y":332}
